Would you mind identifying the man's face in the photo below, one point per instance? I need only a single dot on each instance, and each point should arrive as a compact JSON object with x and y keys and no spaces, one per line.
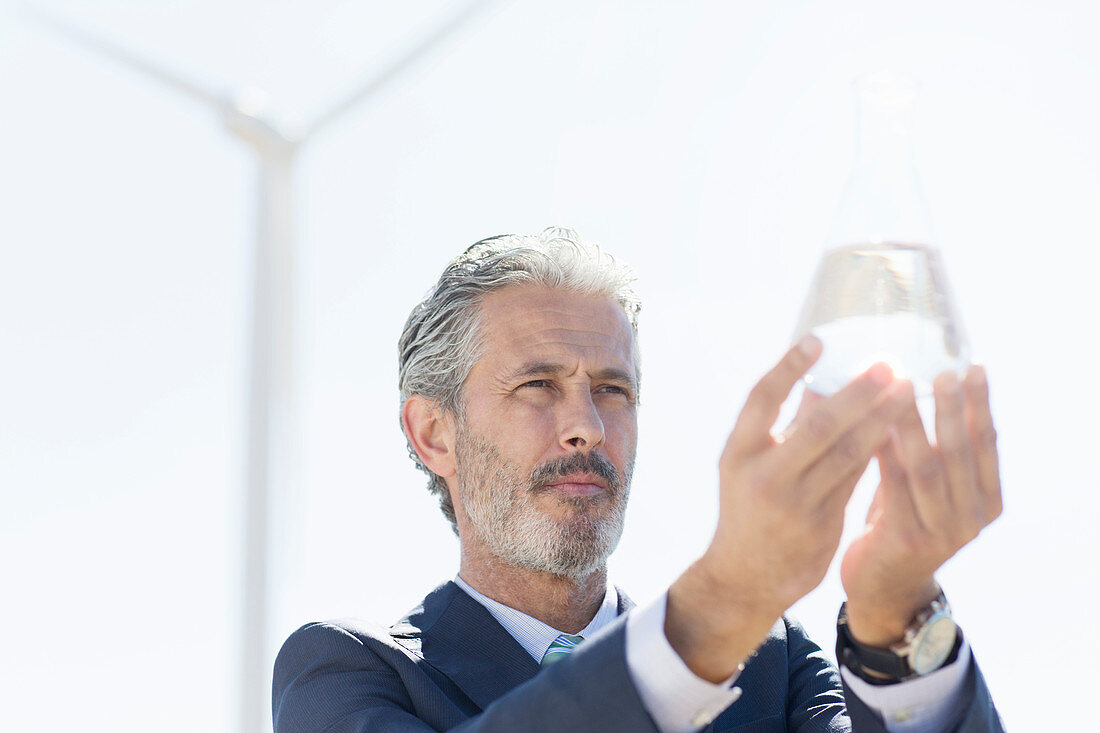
{"x":545,"y":451}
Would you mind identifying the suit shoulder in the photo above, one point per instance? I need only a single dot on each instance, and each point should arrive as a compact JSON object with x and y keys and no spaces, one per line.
{"x":349,"y":628}
{"x":330,"y":669}
{"x":335,"y":639}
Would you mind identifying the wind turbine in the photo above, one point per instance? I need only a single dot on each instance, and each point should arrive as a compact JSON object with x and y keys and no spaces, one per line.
{"x":271,"y":353}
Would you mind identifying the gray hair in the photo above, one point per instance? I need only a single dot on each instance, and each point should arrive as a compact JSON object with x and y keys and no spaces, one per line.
{"x":441,"y":340}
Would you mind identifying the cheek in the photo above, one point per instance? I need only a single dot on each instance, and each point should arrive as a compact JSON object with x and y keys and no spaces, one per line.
{"x":499,"y":416}
{"x":530,"y":428}
{"x":522,"y":432}
{"x":622,"y":433}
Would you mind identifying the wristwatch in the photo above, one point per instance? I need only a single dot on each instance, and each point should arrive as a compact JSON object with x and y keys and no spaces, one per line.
{"x":930,"y":641}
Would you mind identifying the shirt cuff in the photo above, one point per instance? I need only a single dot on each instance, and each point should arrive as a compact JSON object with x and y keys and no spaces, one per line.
{"x":676,"y":699}
{"x":919,"y":705}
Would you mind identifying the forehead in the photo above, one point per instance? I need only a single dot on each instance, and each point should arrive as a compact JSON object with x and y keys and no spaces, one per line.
{"x":527,"y":321}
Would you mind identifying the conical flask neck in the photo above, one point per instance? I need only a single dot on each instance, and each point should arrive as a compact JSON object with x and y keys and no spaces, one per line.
{"x":883,"y":200}
{"x":884,"y":136}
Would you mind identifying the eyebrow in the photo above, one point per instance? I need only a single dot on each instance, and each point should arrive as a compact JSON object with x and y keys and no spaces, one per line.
{"x":538,"y":368}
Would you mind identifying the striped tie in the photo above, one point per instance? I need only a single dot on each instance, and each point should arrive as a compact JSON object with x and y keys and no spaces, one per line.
{"x":560,"y":648}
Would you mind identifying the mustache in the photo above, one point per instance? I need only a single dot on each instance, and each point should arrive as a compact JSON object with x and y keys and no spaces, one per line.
{"x":577,"y":463}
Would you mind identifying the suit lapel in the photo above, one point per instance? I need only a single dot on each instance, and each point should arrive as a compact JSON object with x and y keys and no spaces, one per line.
{"x":468,"y":645}
{"x":457,"y":636}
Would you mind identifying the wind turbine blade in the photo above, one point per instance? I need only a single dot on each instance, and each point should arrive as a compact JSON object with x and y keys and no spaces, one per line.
{"x":122,"y":56}
{"x":377,"y":81}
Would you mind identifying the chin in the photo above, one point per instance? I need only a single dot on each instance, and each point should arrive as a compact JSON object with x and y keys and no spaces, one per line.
{"x":571,"y":549}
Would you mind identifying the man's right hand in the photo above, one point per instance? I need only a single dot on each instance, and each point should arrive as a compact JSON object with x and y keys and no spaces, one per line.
{"x":781,"y":510}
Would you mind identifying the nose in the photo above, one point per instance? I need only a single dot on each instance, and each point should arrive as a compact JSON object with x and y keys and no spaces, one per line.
{"x":581,"y":425}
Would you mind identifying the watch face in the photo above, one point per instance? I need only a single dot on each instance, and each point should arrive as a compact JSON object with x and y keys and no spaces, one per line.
{"x":933,"y":644}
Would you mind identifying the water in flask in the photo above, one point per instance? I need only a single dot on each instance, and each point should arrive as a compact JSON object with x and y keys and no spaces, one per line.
{"x":882,"y":302}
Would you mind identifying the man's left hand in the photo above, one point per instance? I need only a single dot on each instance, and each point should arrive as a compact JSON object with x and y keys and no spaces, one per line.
{"x":931,"y":501}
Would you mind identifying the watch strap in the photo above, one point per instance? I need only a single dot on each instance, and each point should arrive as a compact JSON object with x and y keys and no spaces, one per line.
{"x":885,"y":666}
{"x":865,"y":660}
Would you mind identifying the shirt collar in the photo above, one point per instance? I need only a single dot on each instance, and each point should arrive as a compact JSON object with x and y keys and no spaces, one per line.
{"x":532,"y":634}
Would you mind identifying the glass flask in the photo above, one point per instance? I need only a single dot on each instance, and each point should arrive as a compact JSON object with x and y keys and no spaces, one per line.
{"x":880,"y":292}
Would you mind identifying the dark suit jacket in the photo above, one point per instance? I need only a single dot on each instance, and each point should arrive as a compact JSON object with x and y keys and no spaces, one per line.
{"x":450,"y":666}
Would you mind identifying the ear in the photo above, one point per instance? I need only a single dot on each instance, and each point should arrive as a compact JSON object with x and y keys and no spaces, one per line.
{"x":431,"y":432}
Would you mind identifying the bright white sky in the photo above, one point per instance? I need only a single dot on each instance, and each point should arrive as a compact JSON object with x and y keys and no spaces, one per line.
{"x":705,"y":143}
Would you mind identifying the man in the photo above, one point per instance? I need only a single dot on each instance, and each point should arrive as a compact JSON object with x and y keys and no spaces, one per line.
{"x":519,"y":385}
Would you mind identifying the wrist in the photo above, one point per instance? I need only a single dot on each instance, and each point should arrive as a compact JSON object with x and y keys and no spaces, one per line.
{"x":881,"y":620}
{"x":712,"y":626}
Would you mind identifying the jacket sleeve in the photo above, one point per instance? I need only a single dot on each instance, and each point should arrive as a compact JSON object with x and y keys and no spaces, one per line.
{"x":975,"y":712}
{"x":328,"y":680}
{"x":815,"y":699}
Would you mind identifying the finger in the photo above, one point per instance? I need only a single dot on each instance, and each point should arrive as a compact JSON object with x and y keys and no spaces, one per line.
{"x":752,"y":432}
{"x":983,"y":439}
{"x":953,"y":442}
{"x":836,"y":502}
{"x":825,"y":427}
{"x":809,"y":399}
{"x":853,"y":450}
{"x":897,"y":497}
{"x":891,"y":469}
{"x":874,"y":510}
{"x":923,"y":468}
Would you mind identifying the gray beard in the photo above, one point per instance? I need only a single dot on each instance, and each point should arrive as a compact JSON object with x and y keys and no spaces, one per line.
{"x":500,"y":504}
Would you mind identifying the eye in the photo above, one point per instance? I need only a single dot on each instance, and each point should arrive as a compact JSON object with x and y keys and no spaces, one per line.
{"x":536,"y":383}
{"x":614,"y":389}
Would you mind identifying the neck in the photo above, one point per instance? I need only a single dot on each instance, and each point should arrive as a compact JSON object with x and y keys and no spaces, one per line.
{"x":567,"y":604}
